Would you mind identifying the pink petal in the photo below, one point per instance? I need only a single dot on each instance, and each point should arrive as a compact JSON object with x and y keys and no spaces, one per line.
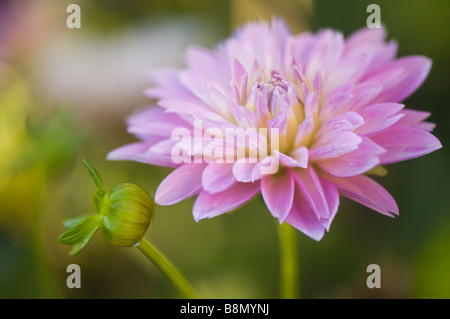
{"x":416,"y":119}
{"x":335,"y":101}
{"x":301,"y":155}
{"x":355,"y":119}
{"x":218,"y":177}
{"x":311,"y":188}
{"x":164,"y":147}
{"x":346,"y":121}
{"x":243,"y":171}
{"x":335,"y":137}
{"x":415,"y":69}
{"x":180,"y":106}
{"x":311,"y":105}
{"x":154,"y":121}
{"x":266,"y":166}
{"x":365,"y":36}
{"x":197,"y":86}
{"x":304,"y":129}
{"x":278,"y":193}
{"x":390,"y":78}
{"x":220,"y":98}
{"x":371,"y":41}
{"x":405,"y":142}
{"x":318,"y":82}
{"x":168,"y":85}
{"x":182,"y":183}
{"x":260,"y":100}
{"x":139,"y":152}
{"x":377,"y":117}
{"x":362,"y":94}
{"x":326,"y":52}
{"x":209,"y":65}
{"x":365,"y":191}
{"x":332,"y":196}
{"x":298,"y":158}
{"x":304,"y":218}
{"x":244,"y":117}
{"x":211,"y":205}
{"x":356,"y":162}
{"x":349,"y":70}
{"x":334,"y":145}
{"x":280,"y":31}
{"x":239,"y":77}
{"x":278,"y":122}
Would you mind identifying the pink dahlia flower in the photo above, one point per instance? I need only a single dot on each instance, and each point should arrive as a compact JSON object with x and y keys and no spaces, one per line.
{"x":325,"y":110}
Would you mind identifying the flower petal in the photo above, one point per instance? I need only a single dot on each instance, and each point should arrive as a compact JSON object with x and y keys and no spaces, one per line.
{"x":304,"y":218}
{"x":189,"y":108}
{"x":311,"y":188}
{"x":356,"y":162}
{"x":139,"y":152}
{"x":298,"y":158}
{"x":243,"y":171}
{"x":362,"y":94}
{"x":278,"y":193}
{"x":168,"y":85}
{"x":335,"y":101}
{"x":332,"y":196}
{"x":415,"y":69}
{"x":182,"y":183}
{"x":154,"y":121}
{"x":266,"y":166}
{"x":365,"y":191}
{"x":326,"y":52}
{"x":217,"y":177}
{"x":334,"y":145}
{"x":210,"y":205}
{"x":405,"y":142}
{"x":416,"y":119}
{"x":209,"y":65}
{"x":304,"y":131}
{"x":379,"y":116}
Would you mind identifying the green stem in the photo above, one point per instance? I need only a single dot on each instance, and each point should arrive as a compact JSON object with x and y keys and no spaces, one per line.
{"x":167,"y":268}
{"x":289,"y":265}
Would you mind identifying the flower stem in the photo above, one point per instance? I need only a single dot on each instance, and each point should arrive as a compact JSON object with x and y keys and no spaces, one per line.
{"x":289,"y":265}
{"x":167,"y":268}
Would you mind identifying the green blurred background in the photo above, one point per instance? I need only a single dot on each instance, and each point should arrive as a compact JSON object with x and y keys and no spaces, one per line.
{"x":64,"y":94}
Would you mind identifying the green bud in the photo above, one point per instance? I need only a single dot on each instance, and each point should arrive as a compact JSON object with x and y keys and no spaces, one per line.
{"x":127,"y":212}
{"x":123,"y":215}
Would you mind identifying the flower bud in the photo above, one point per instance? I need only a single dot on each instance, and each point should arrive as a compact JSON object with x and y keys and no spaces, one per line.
{"x":127,"y":212}
{"x":123,"y":214}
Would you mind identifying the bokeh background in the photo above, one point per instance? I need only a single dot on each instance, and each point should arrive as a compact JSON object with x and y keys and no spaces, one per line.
{"x":64,"y":94}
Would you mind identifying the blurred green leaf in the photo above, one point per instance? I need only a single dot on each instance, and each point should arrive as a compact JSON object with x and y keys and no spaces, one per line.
{"x":433,"y":265}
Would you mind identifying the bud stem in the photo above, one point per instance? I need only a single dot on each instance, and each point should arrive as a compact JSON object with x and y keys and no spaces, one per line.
{"x":167,"y":268}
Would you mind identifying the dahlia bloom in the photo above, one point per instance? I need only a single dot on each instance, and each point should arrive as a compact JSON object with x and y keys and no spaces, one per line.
{"x":324,"y":109}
